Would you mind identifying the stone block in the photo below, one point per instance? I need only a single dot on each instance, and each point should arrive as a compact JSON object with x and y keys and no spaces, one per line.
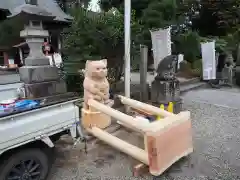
{"x":164,"y":90}
{"x":36,"y":74}
{"x":36,"y":61}
{"x":43,"y":89}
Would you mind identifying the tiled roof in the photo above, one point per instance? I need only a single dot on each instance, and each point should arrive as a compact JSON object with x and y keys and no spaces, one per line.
{"x":49,"y":5}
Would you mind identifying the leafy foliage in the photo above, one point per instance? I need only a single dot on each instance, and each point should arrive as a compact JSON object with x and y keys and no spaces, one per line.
{"x":218,"y":18}
{"x":65,"y":4}
{"x":188,"y":44}
{"x":137,"y":5}
{"x":94,"y":36}
{"x":10,"y":32}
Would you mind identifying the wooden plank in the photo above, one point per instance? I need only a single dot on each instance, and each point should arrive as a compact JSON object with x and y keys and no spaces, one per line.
{"x":169,"y":121}
{"x":168,"y":145}
{"x":95,"y":118}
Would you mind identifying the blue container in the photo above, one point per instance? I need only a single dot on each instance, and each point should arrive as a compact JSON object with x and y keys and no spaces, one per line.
{"x":26,"y":105}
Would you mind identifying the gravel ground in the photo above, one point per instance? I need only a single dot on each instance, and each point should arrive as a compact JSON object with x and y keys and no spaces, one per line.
{"x":215,"y":119}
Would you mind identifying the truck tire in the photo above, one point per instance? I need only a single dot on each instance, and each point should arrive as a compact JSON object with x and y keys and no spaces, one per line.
{"x":26,"y":164}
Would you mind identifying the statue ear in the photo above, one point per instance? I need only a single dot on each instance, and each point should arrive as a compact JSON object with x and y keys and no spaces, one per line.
{"x":87,"y":63}
{"x":104,"y":61}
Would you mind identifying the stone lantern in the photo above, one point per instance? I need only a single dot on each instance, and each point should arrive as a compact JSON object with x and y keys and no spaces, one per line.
{"x":40,"y":79}
{"x":165,"y":88}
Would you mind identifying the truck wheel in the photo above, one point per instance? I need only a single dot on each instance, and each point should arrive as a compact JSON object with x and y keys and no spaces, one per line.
{"x":29,"y":164}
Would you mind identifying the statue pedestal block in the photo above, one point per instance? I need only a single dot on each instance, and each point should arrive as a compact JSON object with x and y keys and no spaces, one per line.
{"x":36,"y":74}
{"x":163,"y":92}
{"x":95,"y":118}
{"x":43,"y":89}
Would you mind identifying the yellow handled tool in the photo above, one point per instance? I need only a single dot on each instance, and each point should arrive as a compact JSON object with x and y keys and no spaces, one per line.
{"x":169,"y":109}
{"x":161,"y":107}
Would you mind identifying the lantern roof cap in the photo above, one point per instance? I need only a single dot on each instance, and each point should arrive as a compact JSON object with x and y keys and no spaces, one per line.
{"x":50,"y":7}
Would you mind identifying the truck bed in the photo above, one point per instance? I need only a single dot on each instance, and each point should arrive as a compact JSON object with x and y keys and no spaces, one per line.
{"x":52,"y":117}
{"x":48,"y":101}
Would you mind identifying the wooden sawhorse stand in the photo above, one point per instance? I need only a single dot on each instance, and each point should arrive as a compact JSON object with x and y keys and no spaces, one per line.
{"x":166,"y":141}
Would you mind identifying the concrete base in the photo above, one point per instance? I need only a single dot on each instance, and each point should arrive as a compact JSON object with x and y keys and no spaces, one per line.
{"x":44,"y":89}
{"x":37,"y":74}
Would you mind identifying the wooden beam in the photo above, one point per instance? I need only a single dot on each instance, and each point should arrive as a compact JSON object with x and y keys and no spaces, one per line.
{"x":130,"y":127}
{"x":149,"y":108}
{"x":121,"y":145}
{"x":126,"y":119}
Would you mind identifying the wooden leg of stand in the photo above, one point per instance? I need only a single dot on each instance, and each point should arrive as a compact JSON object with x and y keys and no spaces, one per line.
{"x":119,"y":144}
{"x":140,"y":169}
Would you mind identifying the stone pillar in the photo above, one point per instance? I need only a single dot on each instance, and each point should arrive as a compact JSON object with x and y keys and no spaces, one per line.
{"x":237,"y":73}
{"x":143,"y":73}
{"x":5,"y":57}
{"x":40,"y":79}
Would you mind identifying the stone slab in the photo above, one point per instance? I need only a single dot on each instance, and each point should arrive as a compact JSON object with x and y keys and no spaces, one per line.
{"x":44,"y":89}
{"x":36,"y":61}
{"x":36,"y":74}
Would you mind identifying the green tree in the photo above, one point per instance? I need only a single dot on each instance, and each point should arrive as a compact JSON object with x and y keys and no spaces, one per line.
{"x":65,"y":3}
{"x":159,"y":14}
{"x":188,"y":43}
{"x":217,"y":18}
{"x":10,"y":32}
{"x":94,"y":36}
{"x":137,"y":5}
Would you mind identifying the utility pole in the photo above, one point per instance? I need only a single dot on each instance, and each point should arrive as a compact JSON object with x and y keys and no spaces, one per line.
{"x":127,"y":40}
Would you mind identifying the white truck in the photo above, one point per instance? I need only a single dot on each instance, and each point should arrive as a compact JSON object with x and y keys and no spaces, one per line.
{"x":27,"y":139}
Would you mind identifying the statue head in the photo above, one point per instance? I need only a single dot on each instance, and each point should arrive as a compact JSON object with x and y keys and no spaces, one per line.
{"x":167,"y":68}
{"x":96,"y":69}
